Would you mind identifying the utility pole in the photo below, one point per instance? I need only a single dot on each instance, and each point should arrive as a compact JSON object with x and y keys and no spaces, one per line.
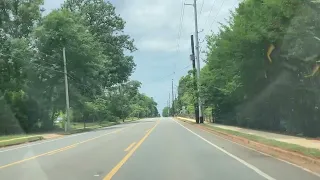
{"x":197,"y":56}
{"x":172,"y":99}
{"x":195,"y":92}
{"x":168,"y":102}
{"x":67,"y":123}
{"x":169,"y":105}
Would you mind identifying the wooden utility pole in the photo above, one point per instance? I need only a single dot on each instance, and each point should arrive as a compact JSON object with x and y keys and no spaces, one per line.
{"x":195,"y":91}
{"x":67,"y":123}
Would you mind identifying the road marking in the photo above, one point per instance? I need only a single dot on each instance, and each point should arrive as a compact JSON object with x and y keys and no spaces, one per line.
{"x":284,"y":161}
{"x":57,"y":139}
{"x":125,"y":159}
{"x":297,"y":166}
{"x":130,"y":146}
{"x":258,"y":171}
{"x":62,"y":149}
{"x":42,"y":142}
{"x":147,"y":130}
{"x":58,"y":150}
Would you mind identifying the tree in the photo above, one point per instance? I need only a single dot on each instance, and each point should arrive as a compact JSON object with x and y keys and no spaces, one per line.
{"x":32,"y":92}
{"x":17,"y":21}
{"x":165,"y":112}
{"x":262,"y":70}
{"x":58,"y":30}
{"x":107,"y":27}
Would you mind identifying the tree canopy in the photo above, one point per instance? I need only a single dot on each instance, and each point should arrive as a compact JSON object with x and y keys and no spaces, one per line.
{"x":99,"y":64}
{"x":262,"y":68}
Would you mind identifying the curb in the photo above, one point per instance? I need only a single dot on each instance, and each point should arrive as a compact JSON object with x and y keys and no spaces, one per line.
{"x":39,"y":138}
{"x":8,"y":140}
{"x":29,"y":139}
{"x":286,"y":155}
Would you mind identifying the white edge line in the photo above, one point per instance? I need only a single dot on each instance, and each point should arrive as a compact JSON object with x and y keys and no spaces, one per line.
{"x":258,"y":171}
{"x":46,"y":141}
{"x":42,"y":142}
{"x":290,"y":163}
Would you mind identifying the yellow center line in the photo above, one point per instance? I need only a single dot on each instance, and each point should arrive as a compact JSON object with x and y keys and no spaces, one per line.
{"x":62,"y":149}
{"x":130,"y":146}
{"x":147,"y":130}
{"x":57,"y":150}
{"x":124,"y":160}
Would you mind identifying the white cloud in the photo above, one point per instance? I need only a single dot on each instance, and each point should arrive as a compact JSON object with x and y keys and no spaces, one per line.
{"x":155,"y":27}
{"x":154,"y":24}
{"x":161,"y":45}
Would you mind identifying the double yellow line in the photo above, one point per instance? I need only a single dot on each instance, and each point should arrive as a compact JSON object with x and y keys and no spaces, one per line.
{"x":130,"y":146}
{"x":125,"y":158}
{"x":62,"y":149}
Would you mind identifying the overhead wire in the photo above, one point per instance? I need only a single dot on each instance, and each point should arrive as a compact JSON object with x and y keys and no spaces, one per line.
{"x":208,"y":16}
{"x":216,"y":16}
{"x":169,"y":75}
{"x":181,"y":24}
{"x":74,"y":79}
{"x":212,"y":6}
{"x":201,"y":7}
{"x":180,"y":30}
{"x":58,"y":71}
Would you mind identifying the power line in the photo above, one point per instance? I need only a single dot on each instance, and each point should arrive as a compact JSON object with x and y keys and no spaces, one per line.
{"x":51,"y":69}
{"x":201,"y":7}
{"x":210,"y":13}
{"x":215,"y":17}
{"x":34,"y":63}
{"x":69,"y":75}
{"x":180,"y":30}
{"x":77,"y":80}
{"x":181,"y":24}
{"x":169,"y":75}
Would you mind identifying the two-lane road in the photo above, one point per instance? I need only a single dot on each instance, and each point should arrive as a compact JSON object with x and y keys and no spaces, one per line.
{"x":159,"y":148}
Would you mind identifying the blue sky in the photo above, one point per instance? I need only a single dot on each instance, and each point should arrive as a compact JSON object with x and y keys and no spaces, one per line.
{"x":154,"y":25}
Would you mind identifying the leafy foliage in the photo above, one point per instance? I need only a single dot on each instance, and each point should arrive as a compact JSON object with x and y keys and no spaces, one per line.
{"x":244,"y":87}
{"x":32,"y":92}
{"x":166,"y":112}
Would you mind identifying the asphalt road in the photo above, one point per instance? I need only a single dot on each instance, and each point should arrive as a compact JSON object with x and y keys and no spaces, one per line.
{"x":148,"y":149}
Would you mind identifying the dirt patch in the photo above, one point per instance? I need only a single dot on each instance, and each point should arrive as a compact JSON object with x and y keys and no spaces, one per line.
{"x":312,"y":164}
{"x":52,"y":136}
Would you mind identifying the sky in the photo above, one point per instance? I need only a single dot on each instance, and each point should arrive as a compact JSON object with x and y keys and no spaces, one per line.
{"x":161,"y":30}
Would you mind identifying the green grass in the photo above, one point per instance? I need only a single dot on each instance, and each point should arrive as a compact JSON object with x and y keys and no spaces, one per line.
{"x":131,"y":119}
{"x":78,"y":127}
{"x":75,"y":128}
{"x":3,"y":138}
{"x":311,"y":152}
{"x":96,"y":125}
{"x":17,"y":139}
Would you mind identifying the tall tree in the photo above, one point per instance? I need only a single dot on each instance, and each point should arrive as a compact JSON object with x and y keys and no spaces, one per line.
{"x":262,"y":67}
{"x":107,"y":27}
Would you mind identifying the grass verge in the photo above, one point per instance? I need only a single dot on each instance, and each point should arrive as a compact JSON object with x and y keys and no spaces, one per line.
{"x":78,"y":127}
{"x":16,"y":139}
{"x":311,"y":152}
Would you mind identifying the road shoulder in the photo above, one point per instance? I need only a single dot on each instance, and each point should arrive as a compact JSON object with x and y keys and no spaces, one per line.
{"x":303,"y":162}
{"x":25,"y":139}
